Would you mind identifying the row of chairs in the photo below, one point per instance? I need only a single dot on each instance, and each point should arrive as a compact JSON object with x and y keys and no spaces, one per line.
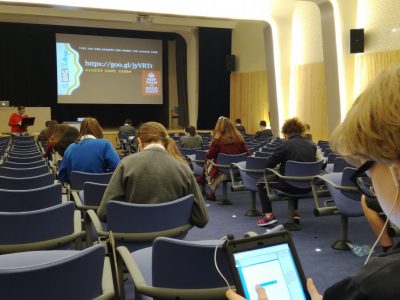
{"x":44,"y":234}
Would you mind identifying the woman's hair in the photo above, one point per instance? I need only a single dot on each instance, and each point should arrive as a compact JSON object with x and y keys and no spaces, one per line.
{"x":90,"y":126}
{"x":293,"y":126}
{"x":50,"y":129}
{"x":69,"y":136}
{"x":226,"y":131}
{"x":191,"y":130}
{"x":57,"y":133}
{"x":153,"y":132}
{"x":371,"y":130}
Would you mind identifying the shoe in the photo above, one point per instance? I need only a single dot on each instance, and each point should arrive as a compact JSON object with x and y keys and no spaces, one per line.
{"x":266,"y":221}
{"x":211,"y":196}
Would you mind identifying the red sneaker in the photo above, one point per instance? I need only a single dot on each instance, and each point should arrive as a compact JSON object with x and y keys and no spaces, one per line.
{"x":265,"y":221}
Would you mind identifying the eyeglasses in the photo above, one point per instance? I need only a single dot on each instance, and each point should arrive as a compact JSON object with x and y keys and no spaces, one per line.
{"x":222,"y":118}
{"x":361,"y":179}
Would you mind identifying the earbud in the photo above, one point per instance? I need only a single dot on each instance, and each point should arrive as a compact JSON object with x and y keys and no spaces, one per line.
{"x":395,"y":175}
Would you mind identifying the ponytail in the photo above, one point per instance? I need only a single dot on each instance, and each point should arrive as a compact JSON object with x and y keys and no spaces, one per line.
{"x":173,"y":149}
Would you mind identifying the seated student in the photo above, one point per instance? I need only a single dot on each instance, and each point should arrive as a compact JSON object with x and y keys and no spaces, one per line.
{"x":369,"y":137}
{"x":191,"y":140}
{"x":307,"y":133}
{"x":68,"y":137}
{"x":46,"y":133}
{"x":240,"y":127}
{"x":264,"y":131}
{"x":90,"y":153}
{"x":127,"y":128}
{"x":58,"y":131}
{"x":225,"y":139}
{"x":294,"y":148}
{"x":158,"y":173}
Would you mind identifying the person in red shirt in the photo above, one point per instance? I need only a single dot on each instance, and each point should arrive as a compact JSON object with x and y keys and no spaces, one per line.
{"x":225,"y":139}
{"x":15,"y":121}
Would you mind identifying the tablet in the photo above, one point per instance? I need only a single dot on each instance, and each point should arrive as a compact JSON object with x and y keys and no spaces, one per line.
{"x":27,"y":122}
{"x":271,"y":261}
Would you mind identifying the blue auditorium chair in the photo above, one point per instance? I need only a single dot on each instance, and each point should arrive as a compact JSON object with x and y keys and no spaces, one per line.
{"x":176,"y":269}
{"x":26,"y":183}
{"x":28,"y":200}
{"x":55,"y":274}
{"x":54,"y":227}
{"x":23,"y":172}
{"x":137,"y":225}
{"x":223,"y":164}
{"x":298,"y":175}
{"x":251,"y":171}
{"x":345,"y":201}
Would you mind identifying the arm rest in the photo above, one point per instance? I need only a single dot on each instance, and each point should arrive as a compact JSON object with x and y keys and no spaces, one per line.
{"x":236,"y":186}
{"x":338,"y":187}
{"x":150,"y":236}
{"x":77,"y":221}
{"x":94,"y":220}
{"x":269,"y":171}
{"x":76,"y":199}
{"x":107,"y":285}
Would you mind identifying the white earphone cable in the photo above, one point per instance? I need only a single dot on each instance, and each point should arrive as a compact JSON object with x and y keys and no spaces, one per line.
{"x":384,"y":227}
{"x":215,"y":260}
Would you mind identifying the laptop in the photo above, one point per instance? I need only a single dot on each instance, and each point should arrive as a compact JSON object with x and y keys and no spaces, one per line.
{"x":268,"y":260}
{"x":4,"y":103}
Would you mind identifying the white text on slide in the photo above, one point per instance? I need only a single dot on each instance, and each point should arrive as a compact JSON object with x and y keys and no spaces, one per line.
{"x":119,"y":65}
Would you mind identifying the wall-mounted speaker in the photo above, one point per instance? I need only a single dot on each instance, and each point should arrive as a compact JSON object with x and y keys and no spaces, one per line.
{"x":357,"y":40}
{"x":230,"y":63}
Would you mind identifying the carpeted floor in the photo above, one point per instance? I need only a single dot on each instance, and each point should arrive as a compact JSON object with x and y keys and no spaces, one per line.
{"x":320,"y":262}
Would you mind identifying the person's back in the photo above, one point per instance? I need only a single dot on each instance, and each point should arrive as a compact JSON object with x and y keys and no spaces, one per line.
{"x":191,"y":142}
{"x":156,"y":174}
{"x":296,"y":148}
{"x":127,"y":129}
{"x":88,"y":155}
{"x":91,"y":153}
{"x":264,"y":131}
{"x":240,"y":127}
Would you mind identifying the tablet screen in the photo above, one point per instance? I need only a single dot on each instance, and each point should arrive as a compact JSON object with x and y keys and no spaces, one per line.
{"x":272,"y":267}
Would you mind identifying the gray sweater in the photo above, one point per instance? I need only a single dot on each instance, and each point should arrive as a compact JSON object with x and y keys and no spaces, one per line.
{"x":154,"y":176}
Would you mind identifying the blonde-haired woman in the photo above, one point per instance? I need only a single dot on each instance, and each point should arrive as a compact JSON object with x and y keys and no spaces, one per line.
{"x":156,"y":174}
{"x":90,"y":153}
{"x":225,"y":139}
{"x":369,"y":137}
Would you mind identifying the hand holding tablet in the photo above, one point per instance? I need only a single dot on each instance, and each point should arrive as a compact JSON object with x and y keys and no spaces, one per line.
{"x":269,"y":261}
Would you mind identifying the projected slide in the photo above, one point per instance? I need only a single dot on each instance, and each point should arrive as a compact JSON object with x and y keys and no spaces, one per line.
{"x":108,"y":70}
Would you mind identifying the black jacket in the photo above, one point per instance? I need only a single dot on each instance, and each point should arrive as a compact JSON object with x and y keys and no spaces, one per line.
{"x":379,"y":279}
{"x":295,"y":148}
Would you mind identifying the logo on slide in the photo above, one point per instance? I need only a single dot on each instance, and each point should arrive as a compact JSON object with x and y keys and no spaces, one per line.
{"x":68,"y":68}
{"x":151,"y":83}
